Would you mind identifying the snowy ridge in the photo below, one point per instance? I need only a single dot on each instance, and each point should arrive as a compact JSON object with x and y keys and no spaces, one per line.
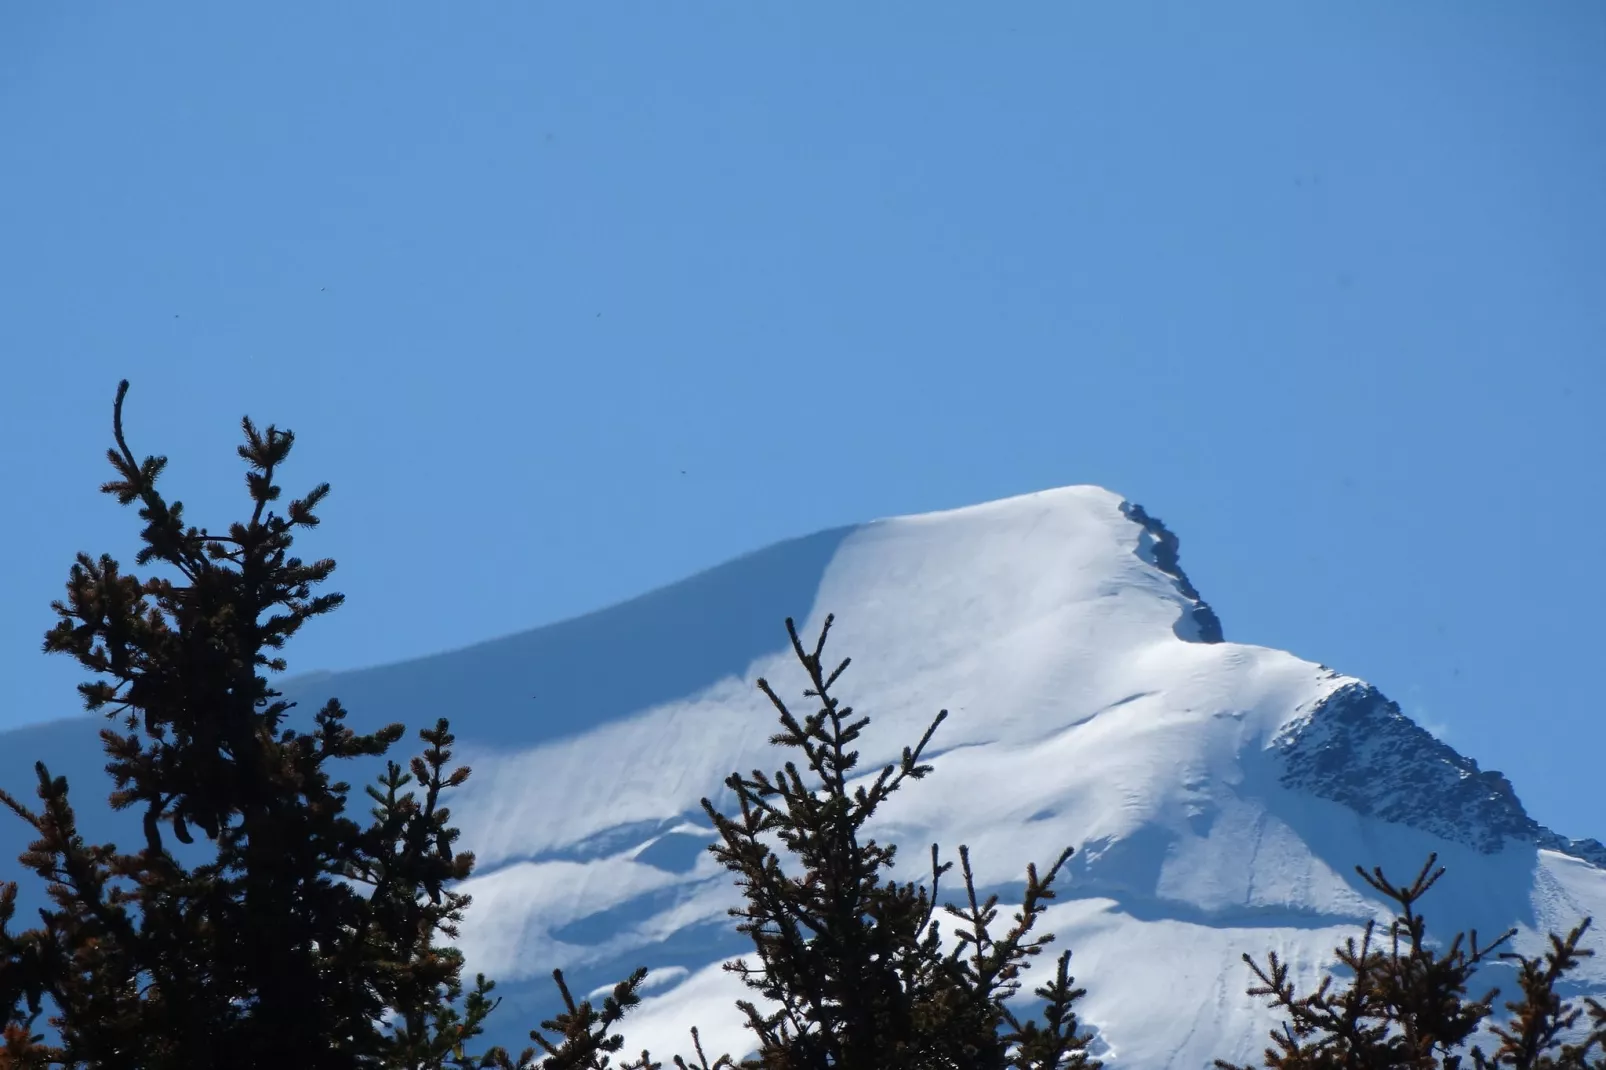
{"x":1160,"y":548}
{"x":1218,"y":795}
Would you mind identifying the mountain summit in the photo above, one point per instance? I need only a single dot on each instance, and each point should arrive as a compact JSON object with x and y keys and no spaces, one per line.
{"x":1218,"y":795}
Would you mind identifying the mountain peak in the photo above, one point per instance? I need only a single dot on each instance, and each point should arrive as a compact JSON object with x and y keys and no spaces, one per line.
{"x":1218,"y":794}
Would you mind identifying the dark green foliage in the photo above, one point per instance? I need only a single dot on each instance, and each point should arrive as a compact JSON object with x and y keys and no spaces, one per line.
{"x":852,"y":963}
{"x":307,"y":939}
{"x":585,"y":1041}
{"x":1407,"y":1006}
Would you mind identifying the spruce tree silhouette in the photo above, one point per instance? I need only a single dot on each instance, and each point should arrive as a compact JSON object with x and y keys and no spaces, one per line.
{"x":1406,"y":1006}
{"x":306,"y":939}
{"x":853,"y":965}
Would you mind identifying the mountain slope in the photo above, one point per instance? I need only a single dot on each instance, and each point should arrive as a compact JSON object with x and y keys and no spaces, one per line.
{"x":1218,"y":794}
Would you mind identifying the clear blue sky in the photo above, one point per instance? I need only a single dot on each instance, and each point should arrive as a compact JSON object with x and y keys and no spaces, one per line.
{"x":571,"y":300}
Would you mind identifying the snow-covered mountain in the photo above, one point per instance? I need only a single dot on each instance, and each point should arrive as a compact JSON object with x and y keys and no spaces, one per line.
{"x":1218,"y":795}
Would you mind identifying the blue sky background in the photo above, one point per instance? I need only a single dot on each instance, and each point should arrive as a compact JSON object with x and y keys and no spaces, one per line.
{"x":571,"y":300}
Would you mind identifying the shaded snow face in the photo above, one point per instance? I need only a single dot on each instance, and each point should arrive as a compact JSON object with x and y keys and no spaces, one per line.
{"x":1218,"y":795}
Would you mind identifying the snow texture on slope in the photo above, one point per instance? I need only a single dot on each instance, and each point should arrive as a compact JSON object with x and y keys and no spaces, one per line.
{"x":1218,"y":795}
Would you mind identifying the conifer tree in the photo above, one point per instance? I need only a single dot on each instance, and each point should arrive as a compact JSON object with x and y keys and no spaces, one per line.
{"x":853,"y":963}
{"x":306,"y":939}
{"x":1406,"y":1006}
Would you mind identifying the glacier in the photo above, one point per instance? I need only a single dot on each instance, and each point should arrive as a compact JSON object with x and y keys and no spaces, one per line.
{"x":1218,"y":795}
